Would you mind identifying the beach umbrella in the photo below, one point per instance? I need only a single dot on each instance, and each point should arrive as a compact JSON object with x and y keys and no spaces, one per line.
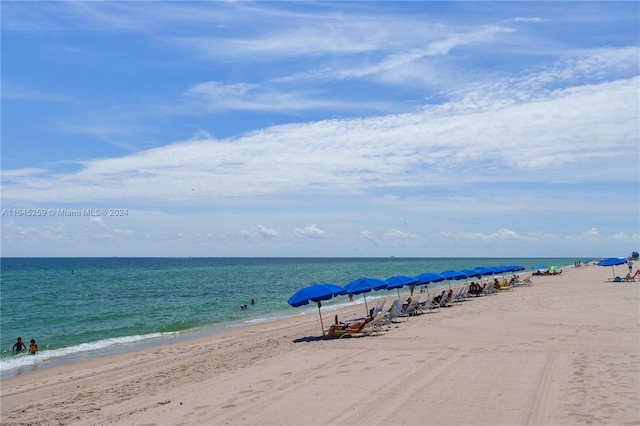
{"x":483,"y":270}
{"x":398,"y":281}
{"x":500,"y":270}
{"x":452,"y":275}
{"x":470,"y":272}
{"x":365,"y":285}
{"x":429,"y":277}
{"x":612,"y":261}
{"x":538,"y":267}
{"x":315,"y":293}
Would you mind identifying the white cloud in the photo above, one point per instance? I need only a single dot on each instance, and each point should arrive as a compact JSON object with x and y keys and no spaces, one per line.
{"x":529,"y":20}
{"x":268,"y":232}
{"x":400,"y":235}
{"x":555,"y":134}
{"x":309,"y":231}
{"x":215,"y":90}
{"x":501,"y":234}
{"x":593,"y":232}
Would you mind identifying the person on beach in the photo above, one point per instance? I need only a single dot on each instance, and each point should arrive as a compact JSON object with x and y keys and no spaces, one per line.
{"x":439,"y":297}
{"x":475,"y":288}
{"x":33,"y":347}
{"x":406,"y":304}
{"x":19,"y":346}
{"x":349,"y":327}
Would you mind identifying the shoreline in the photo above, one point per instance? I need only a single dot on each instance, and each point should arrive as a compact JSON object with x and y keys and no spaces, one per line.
{"x":562,"y":351}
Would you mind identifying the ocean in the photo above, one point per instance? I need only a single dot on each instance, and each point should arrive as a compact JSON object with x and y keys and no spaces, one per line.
{"x":80,"y":308}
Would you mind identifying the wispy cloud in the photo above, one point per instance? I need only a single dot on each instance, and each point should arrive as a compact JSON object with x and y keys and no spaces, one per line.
{"x":310,"y":231}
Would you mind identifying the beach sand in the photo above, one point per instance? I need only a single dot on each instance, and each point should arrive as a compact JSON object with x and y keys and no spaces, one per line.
{"x":563,"y":351}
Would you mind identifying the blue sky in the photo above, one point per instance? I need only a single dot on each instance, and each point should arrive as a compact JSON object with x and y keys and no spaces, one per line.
{"x":320,"y":128}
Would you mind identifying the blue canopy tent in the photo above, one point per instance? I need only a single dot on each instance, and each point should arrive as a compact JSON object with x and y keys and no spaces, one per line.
{"x":315,"y":293}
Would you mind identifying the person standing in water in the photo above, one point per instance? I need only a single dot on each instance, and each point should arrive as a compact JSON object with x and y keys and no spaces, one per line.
{"x":33,"y":347}
{"x":19,"y":345}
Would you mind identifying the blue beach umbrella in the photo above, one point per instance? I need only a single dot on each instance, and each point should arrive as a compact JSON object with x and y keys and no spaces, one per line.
{"x":538,"y":267}
{"x":470,"y":272}
{"x":612,"y":261}
{"x":365,"y":285}
{"x":483,"y":270}
{"x":315,"y":293}
{"x":398,"y":281}
{"x":452,"y":275}
{"x":429,"y":277}
{"x":499,"y":270}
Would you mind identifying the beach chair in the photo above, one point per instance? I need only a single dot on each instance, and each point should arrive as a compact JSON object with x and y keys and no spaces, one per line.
{"x":482,"y":292}
{"x":377,"y":325}
{"x":429,"y":305}
{"x":445,"y":301}
{"x":413,"y":308}
{"x":378,"y":308}
{"x":395,"y":312}
{"x":460,"y":295}
{"x":527,"y":281}
{"x":504,"y":286}
{"x":357,"y":329}
{"x":490,"y":289}
{"x":339,"y":330}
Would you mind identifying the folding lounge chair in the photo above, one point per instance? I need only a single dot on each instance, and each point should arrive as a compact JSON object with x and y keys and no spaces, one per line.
{"x":460,"y":295}
{"x":429,"y":305}
{"x":394,"y":312}
{"x":339,"y":330}
{"x":357,"y":329}
{"x":491,"y":288}
{"x":378,"y":308}
{"x":413,"y":308}
{"x":445,"y":301}
{"x":504,"y":286}
{"x":482,"y":292}
{"x":376,"y":325}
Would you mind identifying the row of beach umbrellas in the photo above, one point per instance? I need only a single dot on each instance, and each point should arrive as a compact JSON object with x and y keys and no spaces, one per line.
{"x":319,"y":292}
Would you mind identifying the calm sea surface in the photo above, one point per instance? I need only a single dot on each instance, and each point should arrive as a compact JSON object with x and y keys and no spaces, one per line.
{"x":79,"y":308}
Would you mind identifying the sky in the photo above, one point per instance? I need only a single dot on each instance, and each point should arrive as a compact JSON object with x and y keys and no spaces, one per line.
{"x":304,"y":129}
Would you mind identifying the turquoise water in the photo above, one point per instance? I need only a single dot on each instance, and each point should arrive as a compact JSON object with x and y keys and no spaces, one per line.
{"x":78,"y":308}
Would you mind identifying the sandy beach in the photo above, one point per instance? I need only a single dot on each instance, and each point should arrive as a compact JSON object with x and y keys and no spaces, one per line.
{"x":563,"y":351}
